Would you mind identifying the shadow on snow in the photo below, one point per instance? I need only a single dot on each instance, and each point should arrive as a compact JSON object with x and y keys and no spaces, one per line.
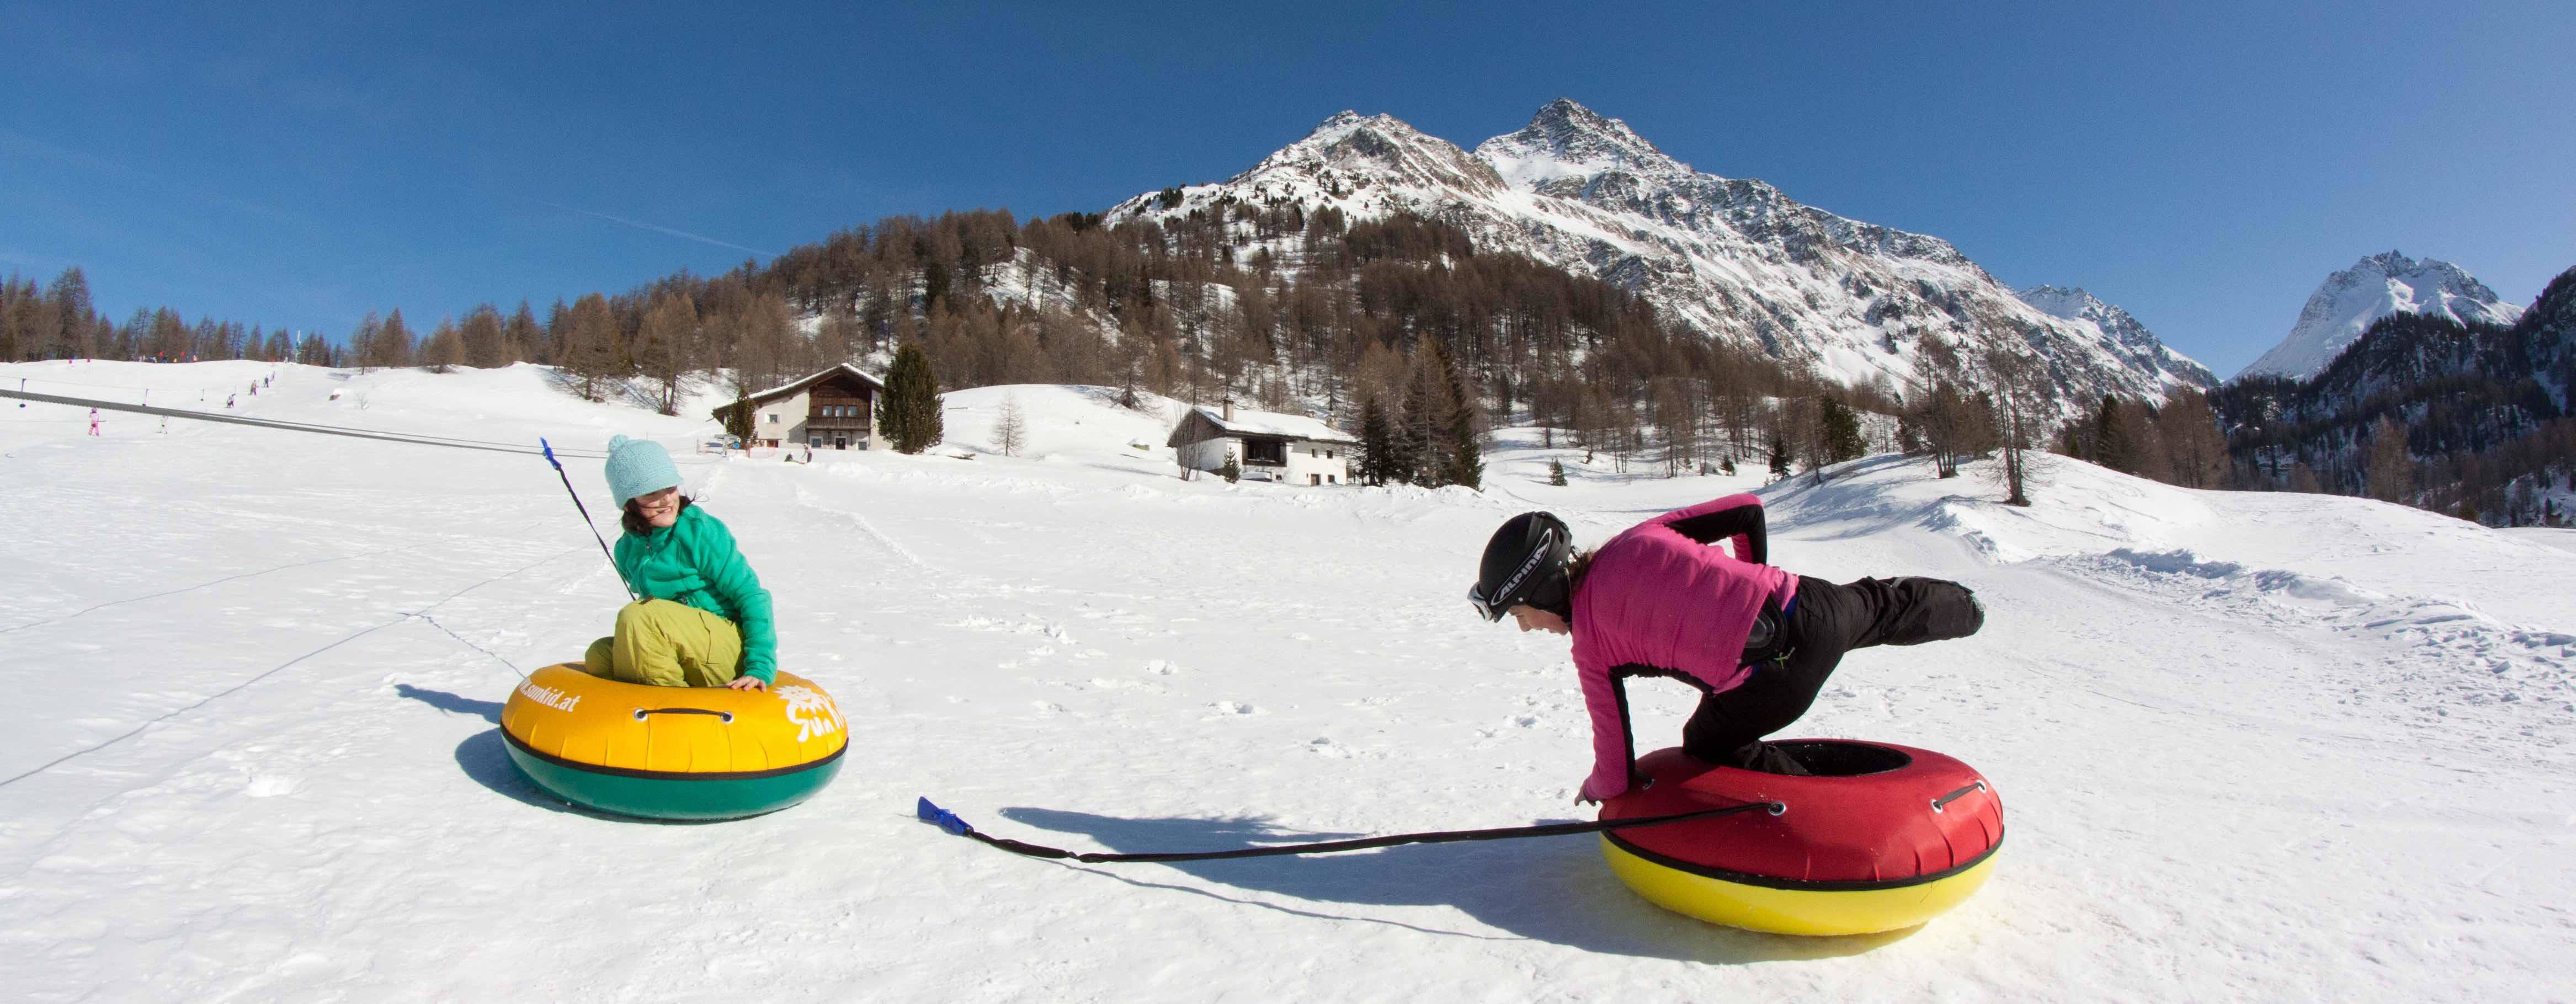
{"x":485,"y":758}
{"x":1553,"y":889}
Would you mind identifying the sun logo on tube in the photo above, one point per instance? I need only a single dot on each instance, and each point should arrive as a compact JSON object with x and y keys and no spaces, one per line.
{"x":813,"y":713}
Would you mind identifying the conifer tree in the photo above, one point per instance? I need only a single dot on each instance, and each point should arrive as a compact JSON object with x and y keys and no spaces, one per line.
{"x":1010,"y":428}
{"x":1842,"y":432}
{"x":393,"y":343}
{"x":72,"y":314}
{"x":481,"y":337}
{"x":1466,"y":463}
{"x":445,"y":349}
{"x":2112,"y":446}
{"x":662,"y":346}
{"x":362,"y":342}
{"x":737,"y":420}
{"x":909,"y":412}
{"x":523,"y":340}
{"x":1377,"y":442}
{"x":2392,"y":472}
{"x":590,"y":350}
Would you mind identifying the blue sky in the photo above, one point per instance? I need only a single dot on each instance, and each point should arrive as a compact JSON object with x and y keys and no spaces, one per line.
{"x":2203,"y":166}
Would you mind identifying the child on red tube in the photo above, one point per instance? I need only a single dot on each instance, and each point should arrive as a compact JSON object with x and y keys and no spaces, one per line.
{"x":1660,"y":599}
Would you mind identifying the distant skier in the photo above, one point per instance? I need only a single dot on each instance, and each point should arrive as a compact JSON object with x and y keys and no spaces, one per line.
{"x":704,"y":620}
{"x":93,"y":421}
{"x":228,"y":400}
{"x":1659,"y":600}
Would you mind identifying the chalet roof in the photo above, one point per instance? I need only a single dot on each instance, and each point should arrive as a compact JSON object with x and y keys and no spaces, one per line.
{"x":790,"y":388}
{"x":1271,"y":423}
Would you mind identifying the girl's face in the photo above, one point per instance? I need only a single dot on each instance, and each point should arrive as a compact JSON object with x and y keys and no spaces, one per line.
{"x":661,"y":508}
{"x":1534,"y":619}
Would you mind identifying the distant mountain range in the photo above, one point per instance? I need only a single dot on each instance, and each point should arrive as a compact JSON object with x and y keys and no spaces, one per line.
{"x":2482,"y":405}
{"x":1733,"y":258}
{"x":2378,"y":286}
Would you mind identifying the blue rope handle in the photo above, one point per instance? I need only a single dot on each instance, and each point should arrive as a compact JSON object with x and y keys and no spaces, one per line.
{"x":549,"y":450}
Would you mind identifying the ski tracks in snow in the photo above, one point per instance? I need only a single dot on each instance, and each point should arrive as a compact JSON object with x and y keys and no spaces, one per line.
{"x":2416,"y":658}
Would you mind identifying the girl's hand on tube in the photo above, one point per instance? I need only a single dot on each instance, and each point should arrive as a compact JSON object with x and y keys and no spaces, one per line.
{"x":747,"y":683}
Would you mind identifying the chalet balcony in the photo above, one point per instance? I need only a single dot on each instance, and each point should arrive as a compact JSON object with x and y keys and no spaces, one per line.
{"x":854,"y":423}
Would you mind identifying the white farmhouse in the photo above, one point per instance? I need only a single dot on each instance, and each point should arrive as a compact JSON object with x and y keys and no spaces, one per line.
{"x":1266,"y":446}
{"x":834,"y":409}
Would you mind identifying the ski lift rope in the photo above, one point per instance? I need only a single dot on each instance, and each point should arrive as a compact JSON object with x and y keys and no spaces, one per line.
{"x":419,"y":439}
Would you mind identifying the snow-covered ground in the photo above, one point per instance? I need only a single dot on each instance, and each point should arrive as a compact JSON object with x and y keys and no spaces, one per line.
{"x":2251,"y":746}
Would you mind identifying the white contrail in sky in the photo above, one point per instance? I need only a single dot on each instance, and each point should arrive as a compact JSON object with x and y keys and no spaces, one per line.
{"x":640,"y":225}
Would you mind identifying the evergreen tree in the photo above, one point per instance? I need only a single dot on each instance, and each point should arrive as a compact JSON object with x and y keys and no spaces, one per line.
{"x":1465,"y":460}
{"x":1780,"y":459}
{"x":72,"y":315}
{"x":1377,"y":442}
{"x":2391,"y":469}
{"x":909,"y":411}
{"x":737,"y":420}
{"x":1842,"y":432}
{"x":1555,"y":472}
{"x":2113,"y":446}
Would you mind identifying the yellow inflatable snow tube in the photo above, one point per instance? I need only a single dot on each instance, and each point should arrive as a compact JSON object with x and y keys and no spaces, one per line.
{"x":1876,"y":837}
{"x":673,"y":752}
{"x":1794,"y":910}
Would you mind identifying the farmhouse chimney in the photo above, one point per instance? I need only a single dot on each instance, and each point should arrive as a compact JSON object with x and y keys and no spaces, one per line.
{"x":1229,"y":409}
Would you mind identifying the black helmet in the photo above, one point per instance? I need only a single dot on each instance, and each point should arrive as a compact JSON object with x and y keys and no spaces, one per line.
{"x":1524,"y":563}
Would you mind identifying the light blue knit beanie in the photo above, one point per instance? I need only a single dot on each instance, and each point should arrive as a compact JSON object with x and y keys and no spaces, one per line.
{"x":638,"y":467}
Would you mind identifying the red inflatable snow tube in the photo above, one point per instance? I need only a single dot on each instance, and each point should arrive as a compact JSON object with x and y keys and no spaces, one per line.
{"x":1881,"y":837}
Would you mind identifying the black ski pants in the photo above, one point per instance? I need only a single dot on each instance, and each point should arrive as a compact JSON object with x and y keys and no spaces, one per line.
{"x":1825,"y":620}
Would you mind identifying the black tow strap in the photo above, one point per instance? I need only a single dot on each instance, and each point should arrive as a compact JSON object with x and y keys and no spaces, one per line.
{"x":948,"y":821}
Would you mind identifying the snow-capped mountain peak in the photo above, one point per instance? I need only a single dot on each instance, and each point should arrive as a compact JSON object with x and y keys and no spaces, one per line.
{"x":1567,"y":140}
{"x":1367,"y":165}
{"x":1734,"y":259}
{"x":2141,"y":346}
{"x":2374,"y":287}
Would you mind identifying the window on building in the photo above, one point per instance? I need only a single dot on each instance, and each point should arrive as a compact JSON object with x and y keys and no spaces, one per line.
{"x":771,"y":417}
{"x":1314,"y":479}
{"x":1328,"y":454}
{"x":1265,"y":451}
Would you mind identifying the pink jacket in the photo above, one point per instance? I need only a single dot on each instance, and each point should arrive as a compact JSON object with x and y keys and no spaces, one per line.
{"x":1659,"y":600}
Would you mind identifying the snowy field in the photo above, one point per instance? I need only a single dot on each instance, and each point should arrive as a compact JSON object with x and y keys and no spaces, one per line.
{"x":2251,"y":746}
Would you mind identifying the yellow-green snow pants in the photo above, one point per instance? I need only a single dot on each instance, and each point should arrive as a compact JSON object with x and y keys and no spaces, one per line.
{"x":668,"y":644}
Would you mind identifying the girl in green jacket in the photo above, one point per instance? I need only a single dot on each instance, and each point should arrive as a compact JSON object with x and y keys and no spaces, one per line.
{"x":704,"y":619}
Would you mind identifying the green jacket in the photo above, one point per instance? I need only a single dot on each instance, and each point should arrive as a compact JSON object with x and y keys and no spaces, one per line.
{"x":694,"y":561}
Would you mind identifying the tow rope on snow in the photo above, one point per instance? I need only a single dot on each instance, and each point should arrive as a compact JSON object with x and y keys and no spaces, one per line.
{"x":586,"y":521}
{"x":948,"y":821}
{"x":417,"y":439}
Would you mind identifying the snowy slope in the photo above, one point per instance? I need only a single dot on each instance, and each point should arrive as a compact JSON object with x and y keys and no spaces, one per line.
{"x":1731,"y":257}
{"x":2252,"y":746}
{"x":2376,"y":286}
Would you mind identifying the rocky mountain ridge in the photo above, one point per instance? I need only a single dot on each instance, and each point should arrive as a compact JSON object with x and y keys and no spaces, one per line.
{"x":1731,"y":258}
{"x":2348,"y":302}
